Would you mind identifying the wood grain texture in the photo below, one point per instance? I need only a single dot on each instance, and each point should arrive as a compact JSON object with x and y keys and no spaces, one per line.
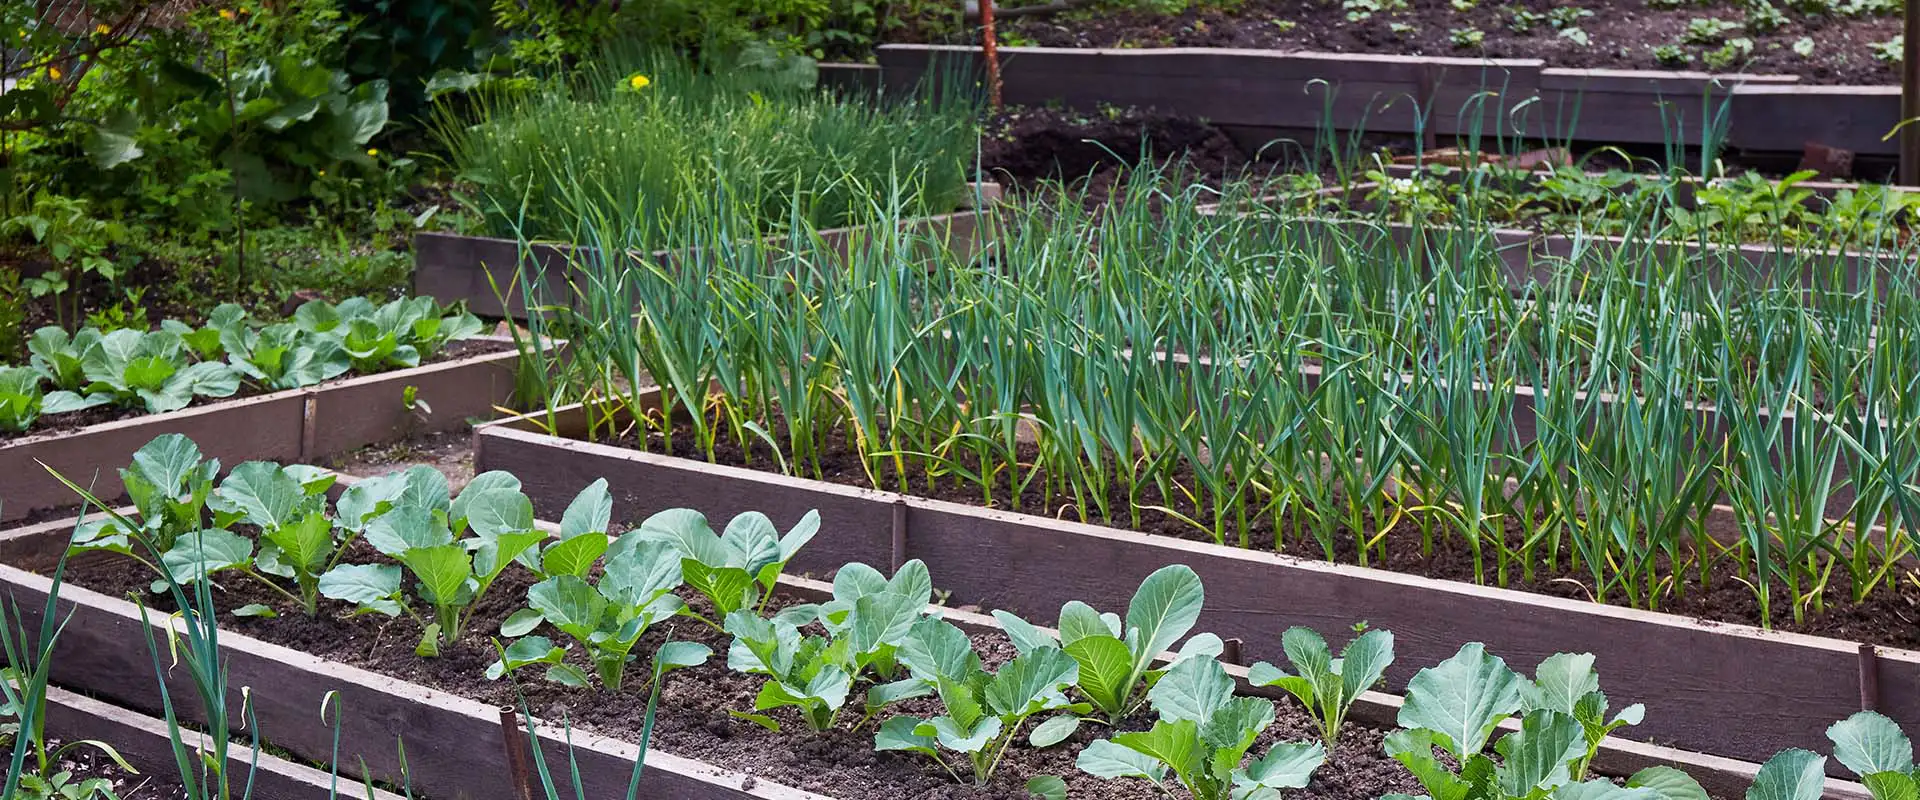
{"x":353,"y":413}
{"x":481,"y":271}
{"x":1724,"y":690}
{"x":453,"y":744}
{"x":1726,"y":777}
{"x":1461,"y":97}
{"x":146,"y":744}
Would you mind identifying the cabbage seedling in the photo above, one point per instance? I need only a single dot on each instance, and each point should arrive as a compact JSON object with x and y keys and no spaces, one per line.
{"x":1202,"y":736}
{"x":1327,"y":686}
{"x":735,"y":569}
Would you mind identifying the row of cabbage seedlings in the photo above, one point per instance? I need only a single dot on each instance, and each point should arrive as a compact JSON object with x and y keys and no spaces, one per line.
{"x":1655,"y":396}
{"x":880,"y":638}
{"x":170,"y":368}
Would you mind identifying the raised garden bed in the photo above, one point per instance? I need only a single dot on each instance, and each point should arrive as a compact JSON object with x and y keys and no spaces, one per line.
{"x":295,"y":425}
{"x":1727,"y":690}
{"x":495,"y":277}
{"x":1441,"y":97}
{"x":454,"y":743}
{"x":146,"y":744}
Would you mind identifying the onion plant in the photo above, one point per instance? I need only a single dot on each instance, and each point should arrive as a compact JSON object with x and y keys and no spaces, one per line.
{"x":1348,"y":389}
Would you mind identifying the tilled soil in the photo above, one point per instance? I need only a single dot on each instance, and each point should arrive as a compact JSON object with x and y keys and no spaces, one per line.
{"x":1622,"y":34}
{"x":692,"y":717}
{"x":1887,"y":617}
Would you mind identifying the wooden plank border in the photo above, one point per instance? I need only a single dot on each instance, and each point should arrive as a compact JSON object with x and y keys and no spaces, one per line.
{"x":145,"y":743}
{"x":1726,"y":690}
{"x":37,"y":547}
{"x":1266,"y":89}
{"x":485,"y":273}
{"x":296,"y":425}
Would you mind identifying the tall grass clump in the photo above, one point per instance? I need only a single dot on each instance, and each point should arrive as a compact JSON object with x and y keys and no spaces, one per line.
{"x":650,"y":135}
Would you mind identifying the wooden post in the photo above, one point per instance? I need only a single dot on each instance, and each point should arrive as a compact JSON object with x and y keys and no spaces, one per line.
{"x":991,"y":48}
{"x":1910,"y":97}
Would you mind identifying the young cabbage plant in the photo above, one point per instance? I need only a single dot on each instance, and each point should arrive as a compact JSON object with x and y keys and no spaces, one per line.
{"x":607,"y":618}
{"x":1201,"y":739}
{"x":1567,"y":683}
{"x":1116,"y":658}
{"x":428,"y":535}
{"x":1327,"y":686}
{"x":398,"y":333}
{"x":984,"y":711}
{"x":60,"y":358}
{"x":583,"y":536}
{"x":151,"y":371}
{"x":21,"y":398}
{"x":207,"y":342}
{"x":868,"y":620}
{"x":1875,"y":748}
{"x":1454,"y":708}
{"x":288,"y":506}
{"x":736,"y":569}
{"x":169,"y":483}
{"x":283,"y":356}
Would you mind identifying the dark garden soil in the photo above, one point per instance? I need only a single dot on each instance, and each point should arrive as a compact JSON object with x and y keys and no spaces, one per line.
{"x":450,"y":452}
{"x":56,"y":424}
{"x":693,"y":719}
{"x":1889,"y":616}
{"x":1622,"y":34}
{"x":85,"y":763}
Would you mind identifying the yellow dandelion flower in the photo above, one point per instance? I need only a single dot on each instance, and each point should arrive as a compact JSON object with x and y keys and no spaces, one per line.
{"x":637,"y":81}
{"x":226,"y":14}
{"x":373,"y":151}
{"x":323,"y":173}
{"x":102,"y":29}
{"x":53,"y":72}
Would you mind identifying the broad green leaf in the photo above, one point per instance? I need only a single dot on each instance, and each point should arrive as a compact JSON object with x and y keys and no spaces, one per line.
{"x":1669,"y":783}
{"x":730,"y":588}
{"x":752,"y":542}
{"x":1106,"y":670}
{"x":590,"y":512}
{"x":442,"y":571}
{"x":575,"y":556}
{"x":570,"y":604}
{"x":1602,"y":789}
{"x":1053,"y":731}
{"x":167,"y":461}
{"x":1792,"y":774}
{"x":496,"y":512}
{"x":1027,"y":636}
{"x":911,"y":581}
{"x":1047,"y":787}
{"x":881,"y":620}
{"x":901,"y":733}
{"x":201,"y":553}
{"x":1023,"y":685}
{"x":1413,"y":748}
{"x":521,"y":623}
{"x":424,"y":487}
{"x":881,"y":695}
{"x":1561,"y":681}
{"x":1462,"y":698}
{"x":857,"y":580}
{"x":256,"y":610}
{"x":361,"y":584}
{"x":963,"y":739}
{"x":1307,"y":650}
{"x":1175,"y":743}
{"x":1287,"y":766}
{"x":1365,"y":661}
{"x":1869,"y":743}
{"x":1104,"y":759}
{"x":678,"y":655}
{"x":530,"y":650}
{"x":491,"y":480}
{"x":634,"y":578}
{"x":687,"y":529}
{"x":492,"y":554}
{"x":1535,"y":757}
{"x":1891,"y":786}
{"x":1165,"y":607}
{"x":407,"y":527}
{"x":1078,"y":620}
{"x":936,"y":649}
{"x":763,"y":721}
{"x":1192,"y":690}
{"x":568,"y":675}
{"x":305,"y":544}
